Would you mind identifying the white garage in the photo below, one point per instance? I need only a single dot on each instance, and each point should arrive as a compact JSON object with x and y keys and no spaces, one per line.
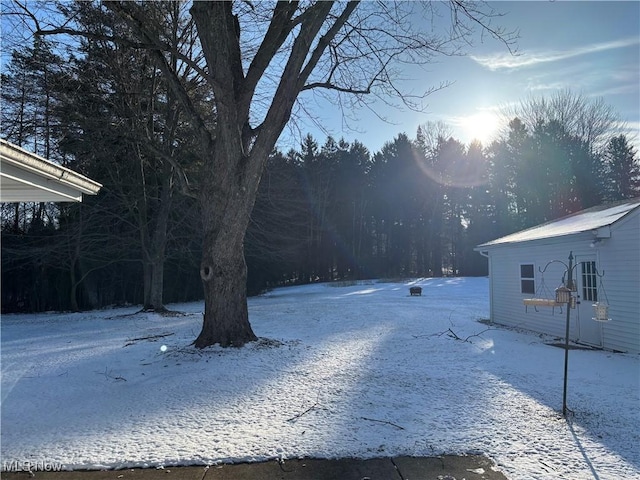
{"x":526,"y":267}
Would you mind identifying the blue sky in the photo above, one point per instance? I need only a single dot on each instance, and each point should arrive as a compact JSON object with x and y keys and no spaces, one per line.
{"x":592,"y":48}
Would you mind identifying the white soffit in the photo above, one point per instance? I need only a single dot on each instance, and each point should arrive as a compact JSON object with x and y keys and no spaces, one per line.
{"x":27,"y":177}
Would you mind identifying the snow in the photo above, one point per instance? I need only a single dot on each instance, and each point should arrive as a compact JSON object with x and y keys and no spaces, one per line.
{"x":360,"y":370}
{"x":584,"y":221}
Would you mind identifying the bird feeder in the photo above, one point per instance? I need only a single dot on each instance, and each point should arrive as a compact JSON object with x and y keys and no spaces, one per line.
{"x":563,"y":294}
{"x":601,"y":312}
{"x":601,"y":308}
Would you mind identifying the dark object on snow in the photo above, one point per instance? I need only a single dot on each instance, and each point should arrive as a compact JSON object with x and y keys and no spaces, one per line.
{"x":415,"y":290}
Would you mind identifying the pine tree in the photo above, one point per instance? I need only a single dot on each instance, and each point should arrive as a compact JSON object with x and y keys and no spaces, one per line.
{"x":622,"y":170}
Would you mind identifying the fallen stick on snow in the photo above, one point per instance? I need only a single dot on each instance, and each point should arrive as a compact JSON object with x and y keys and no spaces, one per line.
{"x":383,"y":421}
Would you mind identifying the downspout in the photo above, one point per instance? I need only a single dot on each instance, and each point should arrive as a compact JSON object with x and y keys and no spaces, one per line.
{"x":485,"y":254}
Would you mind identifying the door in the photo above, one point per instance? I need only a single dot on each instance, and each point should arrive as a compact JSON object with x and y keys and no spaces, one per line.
{"x":589,"y":331}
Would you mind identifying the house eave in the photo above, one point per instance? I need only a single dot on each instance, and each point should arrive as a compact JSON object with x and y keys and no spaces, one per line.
{"x":597,"y":222}
{"x":26,"y":177}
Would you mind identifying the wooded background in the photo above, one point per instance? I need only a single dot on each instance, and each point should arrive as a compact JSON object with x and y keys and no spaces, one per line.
{"x":329,"y":210}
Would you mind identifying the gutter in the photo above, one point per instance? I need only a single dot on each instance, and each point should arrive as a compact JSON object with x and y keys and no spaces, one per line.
{"x":19,"y":158}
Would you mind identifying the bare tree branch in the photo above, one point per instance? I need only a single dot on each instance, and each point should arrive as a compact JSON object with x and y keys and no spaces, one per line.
{"x":137,"y":21}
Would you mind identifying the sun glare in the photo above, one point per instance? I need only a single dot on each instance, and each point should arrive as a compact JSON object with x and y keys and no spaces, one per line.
{"x":481,"y":126}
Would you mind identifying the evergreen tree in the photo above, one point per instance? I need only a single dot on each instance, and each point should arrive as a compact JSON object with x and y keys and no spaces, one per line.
{"x":479,"y":214}
{"x":125,"y":122}
{"x":622,"y":170}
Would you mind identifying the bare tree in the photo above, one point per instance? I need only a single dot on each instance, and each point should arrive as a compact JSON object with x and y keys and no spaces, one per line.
{"x":258,"y":58}
{"x":590,"y":120}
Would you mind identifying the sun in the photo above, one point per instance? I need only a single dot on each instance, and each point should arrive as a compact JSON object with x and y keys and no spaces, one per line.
{"x":481,"y":126}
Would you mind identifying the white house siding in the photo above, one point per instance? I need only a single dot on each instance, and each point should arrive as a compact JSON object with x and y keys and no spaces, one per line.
{"x":620,"y":260}
{"x":618,"y":257}
{"x":506,"y":298}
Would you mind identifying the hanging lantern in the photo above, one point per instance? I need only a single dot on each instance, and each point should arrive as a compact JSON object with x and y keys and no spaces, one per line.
{"x":601,"y":312}
{"x":563,"y":294}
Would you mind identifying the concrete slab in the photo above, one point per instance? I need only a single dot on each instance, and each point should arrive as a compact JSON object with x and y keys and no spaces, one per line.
{"x":447,"y":467}
{"x":168,"y":473}
{"x":308,"y":469}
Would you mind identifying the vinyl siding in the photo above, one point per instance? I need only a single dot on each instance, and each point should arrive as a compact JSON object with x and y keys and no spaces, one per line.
{"x":618,"y":257}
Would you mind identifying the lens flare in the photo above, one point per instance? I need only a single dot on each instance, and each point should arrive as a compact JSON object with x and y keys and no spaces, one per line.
{"x":481,"y":126}
{"x":455,"y":168}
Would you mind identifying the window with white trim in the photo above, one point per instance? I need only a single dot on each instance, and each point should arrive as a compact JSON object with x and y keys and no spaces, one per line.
{"x":527,"y":278}
{"x":589,"y":279}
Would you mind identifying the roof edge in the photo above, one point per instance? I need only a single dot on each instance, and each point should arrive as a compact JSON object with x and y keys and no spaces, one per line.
{"x":604,"y":206}
{"x":30,"y":161}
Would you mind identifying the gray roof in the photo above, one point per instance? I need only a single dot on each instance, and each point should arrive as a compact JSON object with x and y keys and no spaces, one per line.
{"x":591,"y":219}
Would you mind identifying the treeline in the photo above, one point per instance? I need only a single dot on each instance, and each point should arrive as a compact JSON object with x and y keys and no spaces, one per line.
{"x":336,"y":212}
{"x":324,"y":212}
{"x":418,"y":207}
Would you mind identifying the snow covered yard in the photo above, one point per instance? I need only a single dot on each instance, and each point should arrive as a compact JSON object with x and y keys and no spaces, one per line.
{"x":340,"y":371}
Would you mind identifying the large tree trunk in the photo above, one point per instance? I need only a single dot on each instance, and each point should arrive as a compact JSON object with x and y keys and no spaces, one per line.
{"x":153,"y":265}
{"x":153,"y":272}
{"x":73,"y":294}
{"x":223,"y":270}
{"x":226,"y":315}
{"x":154,"y":245}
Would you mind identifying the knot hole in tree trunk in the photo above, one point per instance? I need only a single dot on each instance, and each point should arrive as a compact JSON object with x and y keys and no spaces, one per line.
{"x":206,"y":272}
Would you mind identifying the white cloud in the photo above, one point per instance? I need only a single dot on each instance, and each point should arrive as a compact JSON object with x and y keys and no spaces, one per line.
{"x":627,"y":89}
{"x":547,"y":86}
{"x":505,"y":61}
{"x":632,"y":131}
